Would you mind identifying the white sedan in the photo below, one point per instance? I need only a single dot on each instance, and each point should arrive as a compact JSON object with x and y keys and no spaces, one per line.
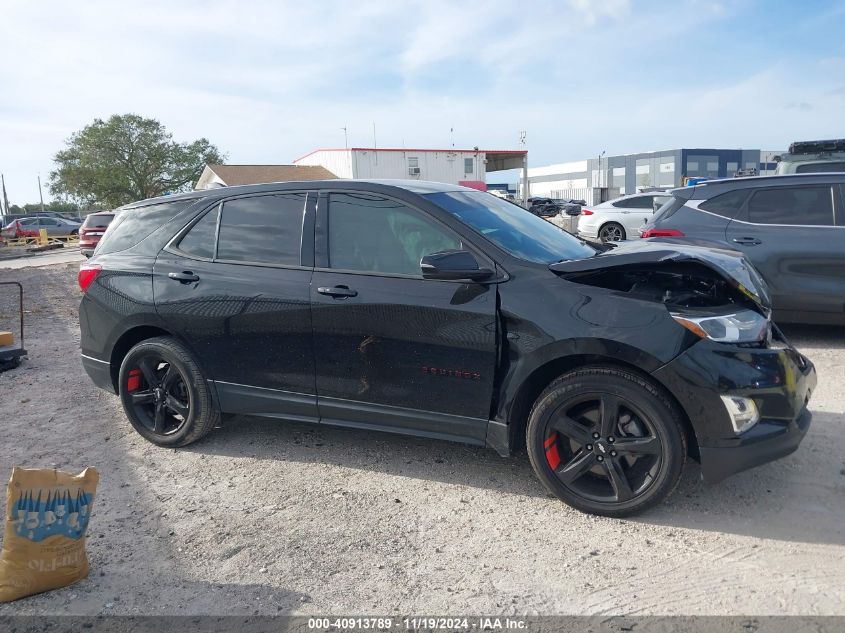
{"x":619,"y":219}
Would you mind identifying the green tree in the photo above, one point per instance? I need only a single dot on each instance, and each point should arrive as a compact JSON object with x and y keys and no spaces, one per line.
{"x":127,"y":158}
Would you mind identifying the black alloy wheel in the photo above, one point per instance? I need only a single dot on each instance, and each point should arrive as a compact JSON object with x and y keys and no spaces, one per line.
{"x":606,"y":441}
{"x":159,"y":394}
{"x":164,"y":393}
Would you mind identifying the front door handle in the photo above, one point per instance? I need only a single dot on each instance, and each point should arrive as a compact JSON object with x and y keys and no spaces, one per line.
{"x":747,"y":241}
{"x":185,"y":277}
{"x":338,"y":292}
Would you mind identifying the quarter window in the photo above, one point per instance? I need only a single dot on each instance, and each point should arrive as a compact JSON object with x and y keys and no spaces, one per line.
{"x":199,"y":241}
{"x":369,"y":233}
{"x":726,"y":204}
{"x":131,"y":226}
{"x":792,"y":205}
{"x":262,"y":229}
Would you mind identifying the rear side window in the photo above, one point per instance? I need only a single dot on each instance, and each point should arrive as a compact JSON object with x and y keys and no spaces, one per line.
{"x":640,"y":202}
{"x":668,"y":209}
{"x":792,"y":205}
{"x":98,"y":220}
{"x":262,"y":229}
{"x":199,"y":241}
{"x":131,"y":226}
{"x":820,"y":167}
{"x":726,"y":204}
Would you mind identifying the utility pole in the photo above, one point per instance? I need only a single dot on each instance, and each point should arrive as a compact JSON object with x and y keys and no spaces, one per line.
{"x":40,"y":195}
{"x":375,"y":145}
{"x":5,"y":201}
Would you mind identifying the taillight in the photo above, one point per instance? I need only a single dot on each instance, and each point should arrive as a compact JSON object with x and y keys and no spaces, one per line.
{"x":87,"y":274}
{"x":661,"y":233}
{"x":586,"y":212}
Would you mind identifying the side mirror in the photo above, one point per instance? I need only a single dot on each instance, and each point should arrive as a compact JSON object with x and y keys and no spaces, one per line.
{"x":453,"y":264}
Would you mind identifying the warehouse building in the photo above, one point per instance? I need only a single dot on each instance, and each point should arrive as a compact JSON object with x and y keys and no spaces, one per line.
{"x":468,"y":167}
{"x":606,"y":177}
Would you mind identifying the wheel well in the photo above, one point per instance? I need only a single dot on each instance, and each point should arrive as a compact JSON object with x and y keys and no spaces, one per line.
{"x":127,"y":341}
{"x":543,"y":376}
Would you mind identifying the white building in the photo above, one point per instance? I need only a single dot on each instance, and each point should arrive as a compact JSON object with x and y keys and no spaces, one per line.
{"x":455,"y":166}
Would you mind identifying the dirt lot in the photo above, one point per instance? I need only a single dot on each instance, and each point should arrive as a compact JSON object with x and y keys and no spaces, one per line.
{"x":268,"y":517}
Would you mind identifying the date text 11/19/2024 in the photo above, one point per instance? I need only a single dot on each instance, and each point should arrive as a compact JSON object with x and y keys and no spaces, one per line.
{"x":419,"y":622}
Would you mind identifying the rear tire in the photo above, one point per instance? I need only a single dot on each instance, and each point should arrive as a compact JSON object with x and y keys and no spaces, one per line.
{"x":607,"y":441}
{"x":612,"y":232}
{"x":164,"y":394}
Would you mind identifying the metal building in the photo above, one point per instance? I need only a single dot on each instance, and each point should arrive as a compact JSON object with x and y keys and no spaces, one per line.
{"x":605,"y":177}
{"x":468,"y":167}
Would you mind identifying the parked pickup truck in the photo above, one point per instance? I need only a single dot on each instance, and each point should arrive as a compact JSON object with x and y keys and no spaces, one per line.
{"x":445,"y":312}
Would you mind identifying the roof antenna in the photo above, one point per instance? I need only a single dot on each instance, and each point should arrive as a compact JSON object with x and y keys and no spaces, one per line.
{"x":452,"y":136}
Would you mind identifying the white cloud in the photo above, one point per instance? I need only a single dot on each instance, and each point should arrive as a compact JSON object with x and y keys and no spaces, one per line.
{"x":268,"y":81}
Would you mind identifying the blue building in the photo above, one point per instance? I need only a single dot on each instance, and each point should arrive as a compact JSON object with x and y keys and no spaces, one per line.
{"x":606,"y":177}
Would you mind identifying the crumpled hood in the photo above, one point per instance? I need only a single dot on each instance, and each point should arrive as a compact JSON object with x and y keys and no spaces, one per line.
{"x":730,"y":264}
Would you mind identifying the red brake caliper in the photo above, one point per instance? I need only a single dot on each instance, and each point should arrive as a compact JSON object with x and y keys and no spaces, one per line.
{"x":552,"y":456}
{"x":134,"y":380}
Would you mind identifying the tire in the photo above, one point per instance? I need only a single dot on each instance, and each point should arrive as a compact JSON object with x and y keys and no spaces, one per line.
{"x":636,"y":461}
{"x":612,"y":232}
{"x":164,"y":394}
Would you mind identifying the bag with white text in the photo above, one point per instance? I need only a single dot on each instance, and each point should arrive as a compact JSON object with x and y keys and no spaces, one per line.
{"x":47,"y":513}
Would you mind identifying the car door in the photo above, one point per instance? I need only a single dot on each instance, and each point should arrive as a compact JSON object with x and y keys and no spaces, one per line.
{"x":51,"y":225}
{"x":634,"y":213}
{"x":395,"y":351}
{"x":234,"y":285}
{"x":791,"y":236}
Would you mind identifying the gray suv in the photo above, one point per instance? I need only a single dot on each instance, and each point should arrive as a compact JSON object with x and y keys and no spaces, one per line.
{"x":792,"y":228}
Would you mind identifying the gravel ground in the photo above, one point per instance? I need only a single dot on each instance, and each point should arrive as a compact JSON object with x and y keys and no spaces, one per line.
{"x":268,"y":517}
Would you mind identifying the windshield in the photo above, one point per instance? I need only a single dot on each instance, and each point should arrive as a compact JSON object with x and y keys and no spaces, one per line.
{"x":519,"y":232}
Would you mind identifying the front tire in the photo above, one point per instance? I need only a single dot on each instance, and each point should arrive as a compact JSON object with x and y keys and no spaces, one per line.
{"x":164,"y":393}
{"x":606,"y":441}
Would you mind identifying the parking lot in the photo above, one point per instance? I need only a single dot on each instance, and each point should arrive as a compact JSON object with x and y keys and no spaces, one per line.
{"x":268,"y":517}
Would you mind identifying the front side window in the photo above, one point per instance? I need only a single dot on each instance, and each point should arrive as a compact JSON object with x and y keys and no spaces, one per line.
{"x":792,"y":205}
{"x":374,"y":234}
{"x":515,"y":230}
{"x":820,"y":167}
{"x":727,"y":204}
{"x":262,"y":229}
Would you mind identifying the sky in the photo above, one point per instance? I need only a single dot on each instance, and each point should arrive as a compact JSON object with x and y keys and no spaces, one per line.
{"x":269,"y":81}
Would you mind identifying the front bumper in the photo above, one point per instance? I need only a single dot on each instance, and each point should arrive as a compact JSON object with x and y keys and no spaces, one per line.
{"x":779,"y":380}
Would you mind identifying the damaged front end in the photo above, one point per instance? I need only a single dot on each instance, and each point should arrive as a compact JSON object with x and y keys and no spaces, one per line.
{"x":743,"y":387}
{"x":714,"y":293}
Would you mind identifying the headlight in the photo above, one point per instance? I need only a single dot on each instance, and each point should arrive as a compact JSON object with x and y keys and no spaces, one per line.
{"x":744,"y":326}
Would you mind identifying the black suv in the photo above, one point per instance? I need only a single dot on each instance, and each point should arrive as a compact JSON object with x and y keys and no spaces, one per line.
{"x":445,"y":312}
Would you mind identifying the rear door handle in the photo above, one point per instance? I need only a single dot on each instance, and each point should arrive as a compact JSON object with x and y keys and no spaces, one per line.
{"x":747,"y":241}
{"x":185,"y":277}
{"x":338,"y":292}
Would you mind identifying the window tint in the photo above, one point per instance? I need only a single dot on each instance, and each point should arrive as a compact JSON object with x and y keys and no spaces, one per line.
{"x":131,"y":226}
{"x":793,"y":205}
{"x":48,"y":222}
{"x":199,"y":241}
{"x":263,"y":229}
{"x":517,"y":231}
{"x":820,"y":167}
{"x":370,"y":233}
{"x":668,"y":209}
{"x":726,"y":204}
{"x":638,"y":202}
{"x":98,"y":220}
